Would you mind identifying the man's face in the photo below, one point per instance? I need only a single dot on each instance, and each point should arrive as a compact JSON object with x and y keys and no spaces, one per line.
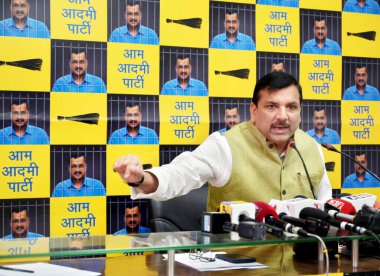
{"x":231,"y":23}
{"x":277,"y":114}
{"x":361,"y":76}
{"x":231,"y":117}
{"x":20,"y":224}
{"x":132,"y":218}
{"x":20,"y":9}
{"x":362,"y":160}
{"x":132,"y":117}
{"x":133,"y":16}
{"x":320,"y":30}
{"x":19,"y":115}
{"x":78,"y":168}
{"x":278,"y":67}
{"x":183,"y":69}
{"x":320,"y":120}
{"x":78,"y":64}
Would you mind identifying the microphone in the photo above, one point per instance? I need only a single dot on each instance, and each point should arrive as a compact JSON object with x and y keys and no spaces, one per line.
{"x":292,"y":144}
{"x":316,"y":213}
{"x":311,"y":225}
{"x":266,"y":213}
{"x":247,"y":229}
{"x":332,"y":148}
{"x":340,"y":209}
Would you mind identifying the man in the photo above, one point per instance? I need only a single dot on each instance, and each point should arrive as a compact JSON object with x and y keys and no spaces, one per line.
{"x":21,"y":132}
{"x":283,"y":3}
{"x":184,"y":85}
{"x":20,"y":24}
{"x":320,"y":132}
{"x":79,"y":80}
{"x":232,"y":38}
{"x":320,"y":44}
{"x":134,"y":32}
{"x":360,"y":179}
{"x":133,"y":132}
{"x":20,"y":225}
{"x":231,"y":118}
{"x":362,"y":6}
{"x":361,"y":91}
{"x":79,"y":184}
{"x":278,"y":66}
{"x":132,"y":220}
{"x":251,"y":161}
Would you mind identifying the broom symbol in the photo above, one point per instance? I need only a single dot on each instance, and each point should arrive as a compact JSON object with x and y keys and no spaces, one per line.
{"x":89,"y":118}
{"x":239,"y":73}
{"x":330,"y":166}
{"x":190,"y":22}
{"x":30,"y":64}
{"x":370,"y":35}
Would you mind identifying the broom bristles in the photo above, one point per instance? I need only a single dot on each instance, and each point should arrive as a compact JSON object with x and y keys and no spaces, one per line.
{"x":34,"y":64}
{"x":89,"y":118}
{"x":330,"y":166}
{"x":238,"y":73}
{"x":370,"y":35}
{"x":190,"y":22}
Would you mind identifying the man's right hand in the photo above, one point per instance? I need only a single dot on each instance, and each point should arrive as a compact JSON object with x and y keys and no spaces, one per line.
{"x":130,"y":169}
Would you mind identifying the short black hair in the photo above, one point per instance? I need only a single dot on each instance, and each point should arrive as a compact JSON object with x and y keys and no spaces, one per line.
{"x":10,"y":1}
{"x":131,"y":3}
{"x":77,"y":51}
{"x":232,"y":106}
{"x":319,"y":19}
{"x":232,"y":11}
{"x":358,"y":153}
{"x":19,"y":209}
{"x":277,"y":61}
{"x":131,"y":205}
{"x":358,"y":66}
{"x":76,"y":155}
{"x":183,"y":56}
{"x":275,"y":81}
{"x":319,"y":108}
{"x":132,"y":104}
{"x":20,"y":102}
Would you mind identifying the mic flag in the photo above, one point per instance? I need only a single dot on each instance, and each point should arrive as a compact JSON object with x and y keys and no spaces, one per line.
{"x":239,"y":73}
{"x":34,"y":64}
{"x":189,"y":22}
{"x":330,"y":166}
{"x":370,"y":35}
{"x":89,"y":118}
{"x":342,"y":205}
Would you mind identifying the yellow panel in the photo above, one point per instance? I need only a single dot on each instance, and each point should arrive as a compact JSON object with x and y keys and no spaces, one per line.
{"x":360,"y":122}
{"x":133,"y":68}
{"x":24,"y":248}
{"x":79,"y":20}
{"x":78,"y":216}
{"x":330,"y":5}
{"x":183,"y":120}
{"x":18,"y":78}
{"x":354,"y":45}
{"x":172,"y":33}
{"x":72,"y":131}
{"x":223,"y":77}
{"x":149,"y":154}
{"x":25,"y":171}
{"x":321,"y":77}
{"x":277,"y":29}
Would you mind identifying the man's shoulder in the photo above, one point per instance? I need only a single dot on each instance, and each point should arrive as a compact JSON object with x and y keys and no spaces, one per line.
{"x":119,"y":132}
{"x":7,"y":130}
{"x":120,"y":232}
{"x":332,"y":43}
{"x":245,"y":37}
{"x":36,"y":129}
{"x":170,"y":83}
{"x":119,"y":30}
{"x":147,"y":129}
{"x":147,"y":29}
{"x":221,"y":36}
{"x":64,"y":79}
{"x":94,"y":78}
{"x":370,"y":87}
{"x":35,"y":22}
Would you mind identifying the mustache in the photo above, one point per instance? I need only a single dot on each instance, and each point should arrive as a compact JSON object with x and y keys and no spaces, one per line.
{"x":280,"y":124}
{"x":19,"y":228}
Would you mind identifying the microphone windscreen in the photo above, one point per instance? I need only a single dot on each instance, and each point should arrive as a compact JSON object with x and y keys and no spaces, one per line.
{"x":344,"y":206}
{"x":309,"y":212}
{"x":263,"y":210}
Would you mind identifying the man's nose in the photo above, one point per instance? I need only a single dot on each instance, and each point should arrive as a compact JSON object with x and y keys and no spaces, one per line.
{"x":282,"y":113}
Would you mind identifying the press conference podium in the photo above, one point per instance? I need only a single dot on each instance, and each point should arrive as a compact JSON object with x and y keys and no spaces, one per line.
{"x":137,"y":254}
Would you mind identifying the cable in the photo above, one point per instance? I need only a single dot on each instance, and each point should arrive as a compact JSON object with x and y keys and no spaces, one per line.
{"x":324,"y":251}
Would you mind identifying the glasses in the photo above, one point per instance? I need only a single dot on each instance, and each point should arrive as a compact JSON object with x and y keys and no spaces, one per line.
{"x":361,"y":75}
{"x":205,"y":257}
